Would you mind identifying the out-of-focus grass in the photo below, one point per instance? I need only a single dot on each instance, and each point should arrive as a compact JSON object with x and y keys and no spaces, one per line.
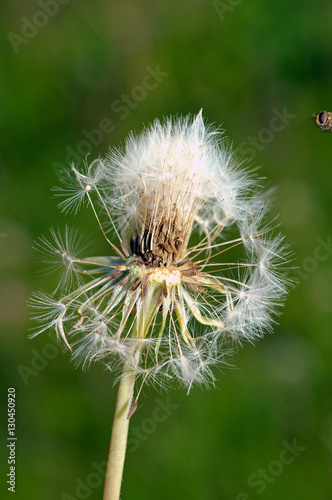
{"x":261,"y":57}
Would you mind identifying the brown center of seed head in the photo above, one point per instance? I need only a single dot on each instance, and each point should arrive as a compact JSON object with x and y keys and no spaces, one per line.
{"x":158,"y":245}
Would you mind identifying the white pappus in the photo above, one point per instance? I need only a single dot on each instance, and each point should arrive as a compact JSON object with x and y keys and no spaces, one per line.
{"x":191,"y":268}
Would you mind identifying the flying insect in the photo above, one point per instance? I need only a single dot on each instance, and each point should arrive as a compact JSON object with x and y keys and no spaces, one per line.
{"x":323,"y":120}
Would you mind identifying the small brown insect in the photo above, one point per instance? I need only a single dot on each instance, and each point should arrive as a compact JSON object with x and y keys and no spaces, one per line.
{"x":323,"y":120}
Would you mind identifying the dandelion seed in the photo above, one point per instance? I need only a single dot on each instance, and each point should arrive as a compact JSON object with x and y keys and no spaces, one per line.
{"x":61,"y":256}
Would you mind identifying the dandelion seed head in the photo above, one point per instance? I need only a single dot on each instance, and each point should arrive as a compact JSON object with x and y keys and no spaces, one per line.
{"x":191,"y":267}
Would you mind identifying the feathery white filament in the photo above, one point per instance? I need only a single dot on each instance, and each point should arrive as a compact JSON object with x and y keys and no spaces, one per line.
{"x":180,"y":299}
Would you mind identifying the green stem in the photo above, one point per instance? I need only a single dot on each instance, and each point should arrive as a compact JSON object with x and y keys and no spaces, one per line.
{"x":119,"y":436}
{"x":116,"y":457}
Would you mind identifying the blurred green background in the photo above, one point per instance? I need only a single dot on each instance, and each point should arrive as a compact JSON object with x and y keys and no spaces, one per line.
{"x":83,"y":67}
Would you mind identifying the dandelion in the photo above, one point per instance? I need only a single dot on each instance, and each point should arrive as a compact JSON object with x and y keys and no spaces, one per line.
{"x":192,"y":268}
